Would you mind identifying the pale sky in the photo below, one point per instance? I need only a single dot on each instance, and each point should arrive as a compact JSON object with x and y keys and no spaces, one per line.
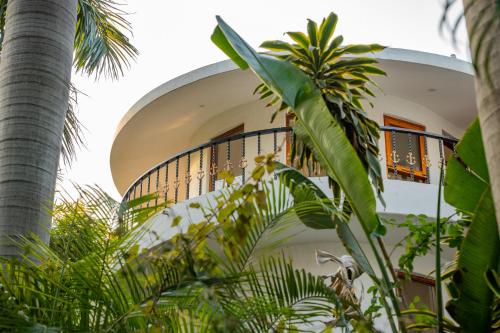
{"x":174,"y":38}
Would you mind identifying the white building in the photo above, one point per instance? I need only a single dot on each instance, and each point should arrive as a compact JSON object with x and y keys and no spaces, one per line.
{"x":175,"y":139}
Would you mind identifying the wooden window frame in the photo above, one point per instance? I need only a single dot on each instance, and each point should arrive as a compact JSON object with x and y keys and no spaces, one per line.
{"x":396,"y":122}
{"x":417,"y":277}
{"x":233,"y":131}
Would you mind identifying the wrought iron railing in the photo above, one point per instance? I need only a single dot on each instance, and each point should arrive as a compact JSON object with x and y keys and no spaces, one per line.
{"x":407,"y":156}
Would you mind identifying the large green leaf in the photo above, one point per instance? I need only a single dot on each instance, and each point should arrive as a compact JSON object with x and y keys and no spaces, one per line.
{"x":326,"y":30}
{"x":319,"y":131}
{"x":315,"y":124}
{"x":468,"y":189}
{"x":296,"y":183}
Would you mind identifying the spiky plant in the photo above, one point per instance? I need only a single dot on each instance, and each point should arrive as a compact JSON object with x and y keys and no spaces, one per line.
{"x":344,"y":79}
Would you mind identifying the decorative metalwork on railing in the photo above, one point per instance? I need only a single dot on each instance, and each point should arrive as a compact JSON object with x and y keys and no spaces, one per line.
{"x":408,"y":156}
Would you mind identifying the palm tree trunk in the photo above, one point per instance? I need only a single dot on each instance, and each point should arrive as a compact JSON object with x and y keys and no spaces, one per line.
{"x":35,"y":72}
{"x":487,"y":93}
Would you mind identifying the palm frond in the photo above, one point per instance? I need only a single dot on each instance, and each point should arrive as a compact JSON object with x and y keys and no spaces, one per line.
{"x":274,"y":293}
{"x":3,"y":11}
{"x":90,"y":277}
{"x":267,"y":229}
{"x":73,"y":132}
{"x":101,"y":46}
{"x":486,"y":20}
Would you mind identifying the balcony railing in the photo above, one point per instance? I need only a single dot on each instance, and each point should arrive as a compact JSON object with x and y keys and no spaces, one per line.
{"x":409,"y":155}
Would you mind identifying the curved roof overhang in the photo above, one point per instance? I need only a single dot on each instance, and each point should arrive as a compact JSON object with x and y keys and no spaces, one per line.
{"x":163,"y":122}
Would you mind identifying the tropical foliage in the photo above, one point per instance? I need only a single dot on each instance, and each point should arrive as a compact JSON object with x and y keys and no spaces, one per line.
{"x":210,"y":277}
{"x":474,"y":279}
{"x":482,"y":18}
{"x":219,"y":275}
{"x":468,"y":189}
{"x":102,"y":48}
{"x":320,"y":131}
{"x":343,"y":76}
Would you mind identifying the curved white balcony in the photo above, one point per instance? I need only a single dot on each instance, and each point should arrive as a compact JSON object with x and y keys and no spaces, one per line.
{"x":177,"y":137}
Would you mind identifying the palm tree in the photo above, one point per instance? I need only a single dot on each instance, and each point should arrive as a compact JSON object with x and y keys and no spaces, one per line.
{"x":41,"y":41}
{"x":483,"y":26}
{"x":482,"y":18}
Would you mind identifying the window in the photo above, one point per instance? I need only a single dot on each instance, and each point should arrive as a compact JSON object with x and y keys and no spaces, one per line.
{"x":421,"y":288}
{"x":219,"y":154}
{"x":405,"y":153}
{"x":448,"y":146}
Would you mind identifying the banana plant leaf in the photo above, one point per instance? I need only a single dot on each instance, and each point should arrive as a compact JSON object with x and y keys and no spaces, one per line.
{"x":315,"y":125}
{"x":296,"y":182}
{"x":319,"y":130}
{"x":467,"y":187}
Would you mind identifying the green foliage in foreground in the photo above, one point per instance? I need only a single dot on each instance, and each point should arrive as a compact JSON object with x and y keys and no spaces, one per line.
{"x":320,"y":131}
{"x":219,"y":275}
{"x":94,"y":276}
{"x":473,"y":305}
{"x":472,"y":281}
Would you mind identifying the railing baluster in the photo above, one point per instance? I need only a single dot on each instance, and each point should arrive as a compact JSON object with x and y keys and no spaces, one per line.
{"x":275,"y":149}
{"x":176,"y":183}
{"x":157,"y":185}
{"x":188,"y":175}
{"x":258,"y":144}
{"x":441,"y":157}
{"x":166,"y":184}
{"x":275,"y":142}
{"x":228,"y":165}
{"x":140,"y":190}
{"x":213,"y":169}
{"x":394,"y":154}
{"x":148,"y":188}
{"x":135,"y":190}
{"x":427,"y":162}
{"x":243,"y":162}
{"x":201,"y":172}
{"x":410,"y":159}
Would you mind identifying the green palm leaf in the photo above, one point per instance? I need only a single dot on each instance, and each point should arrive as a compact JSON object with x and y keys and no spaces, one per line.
{"x":73,"y":137}
{"x":101,"y":46}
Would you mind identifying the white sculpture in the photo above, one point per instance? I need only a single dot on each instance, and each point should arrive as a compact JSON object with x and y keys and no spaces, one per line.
{"x":342,"y":280}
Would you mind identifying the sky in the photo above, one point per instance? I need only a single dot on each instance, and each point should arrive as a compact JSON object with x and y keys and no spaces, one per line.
{"x":173,"y":37}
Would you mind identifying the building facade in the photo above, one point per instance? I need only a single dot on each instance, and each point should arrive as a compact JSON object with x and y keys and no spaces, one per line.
{"x":177,"y":138}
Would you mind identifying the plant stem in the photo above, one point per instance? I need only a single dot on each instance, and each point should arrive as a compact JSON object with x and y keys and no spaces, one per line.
{"x":438,"y":255}
{"x":387,"y":287}
{"x":388,"y":262}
